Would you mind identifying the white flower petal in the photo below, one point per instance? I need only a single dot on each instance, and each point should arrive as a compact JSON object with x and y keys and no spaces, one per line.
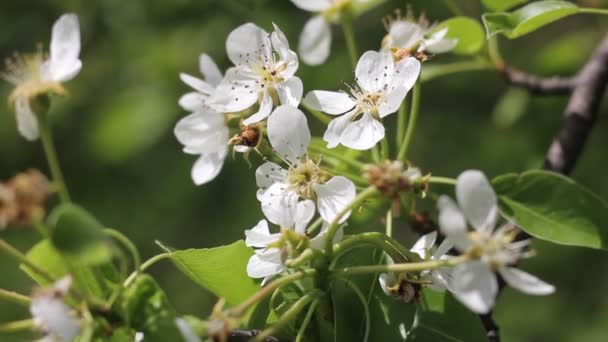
{"x":27,"y":123}
{"x":290,"y":92}
{"x":442,"y":279}
{"x":386,"y":280}
{"x":443,"y":249}
{"x":363,"y":134}
{"x":209,"y":69}
{"x":477,"y":199}
{"x":475,"y":286}
{"x":259,"y":236}
{"x":329,"y":102}
{"x":268,"y":174}
{"x":193,"y":101}
{"x":265,"y":263}
{"x":315,"y":41}
{"x":304,"y":213}
{"x":202,"y":132}
{"x":525,"y":282}
{"x":404,"y":78}
{"x":244,"y":42}
{"x":313,"y":5}
{"x":207,"y":167}
{"x":424,"y":244}
{"x":452,"y":223}
{"x":54,"y":316}
{"x":404,"y":34}
{"x":279,"y":204}
{"x":336,"y":127}
{"x":374,"y":70}
{"x":288,"y":133}
{"x":263,"y":112}
{"x":318,"y":242}
{"x":333,"y":197}
{"x":236,"y":92}
{"x":65,"y":48}
{"x":197,"y":84}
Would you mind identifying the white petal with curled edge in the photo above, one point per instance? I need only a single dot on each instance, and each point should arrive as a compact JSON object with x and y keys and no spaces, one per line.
{"x":263,"y":112}
{"x":279,"y":41}
{"x":186,"y":331}
{"x":525,"y":282}
{"x":477,"y":199}
{"x":53,"y":315}
{"x":236,"y":92}
{"x":315,"y":41}
{"x":336,"y":127}
{"x":404,"y":34}
{"x":329,"y":102}
{"x":452,"y":223}
{"x":475,"y":286}
{"x":404,"y":78}
{"x":443,"y":249}
{"x":279,"y":204}
{"x":304,"y":213}
{"x":371,"y":71}
{"x":363,"y":134}
{"x":63,"y":63}
{"x":209,"y":69}
{"x":193,"y":101}
{"x":27,"y":123}
{"x":437,"y":43}
{"x":424,"y":244}
{"x":265,"y":263}
{"x":244,"y":42}
{"x":268,"y":174}
{"x":333,"y":197}
{"x":207,"y":167}
{"x":288,"y":133}
{"x":386,"y":280}
{"x":259,"y":236}
{"x":290,"y":92}
{"x":197,"y":84}
{"x":442,"y":279}
{"x":313,"y":5}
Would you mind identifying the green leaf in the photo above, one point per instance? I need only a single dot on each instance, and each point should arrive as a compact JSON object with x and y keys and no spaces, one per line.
{"x":48,"y":258}
{"x":440,"y":317}
{"x":511,"y":107}
{"x":528,"y":18}
{"x":553,"y":207}
{"x":469,"y":33}
{"x":78,"y":234}
{"x":502,"y":5}
{"x":221,"y":270}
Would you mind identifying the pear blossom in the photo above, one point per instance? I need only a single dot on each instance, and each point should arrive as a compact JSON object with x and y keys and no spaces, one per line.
{"x":204,"y":132}
{"x":315,"y":39}
{"x":412,"y":36}
{"x":52,"y":316}
{"x":474,"y":282}
{"x":280,"y":190}
{"x":381,"y":88}
{"x":37,"y":74}
{"x":264,"y":73}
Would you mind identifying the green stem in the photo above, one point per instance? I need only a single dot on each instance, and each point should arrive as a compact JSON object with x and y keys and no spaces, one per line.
{"x":376,"y":153}
{"x":17,"y":255}
{"x":268,"y":289}
{"x":307,"y":319}
{"x":17,"y":326}
{"x":441,"y":180}
{"x":290,"y":314}
{"x":120,"y":237}
{"x":15,"y":297}
{"x":412,"y":122}
{"x":451,"y":5}
{"x":404,"y":267}
{"x":401,"y":120}
{"x":593,"y":10}
{"x":494,"y":53}
{"x":314,"y":226}
{"x":389,"y":223}
{"x":41,"y":228}
{"x":46,"y":136}
{"x":385,"y":149}
{"x":334,"y":225}
{"x":377,"y":239}
{"x":349,"y":37}
{"x":144,"y":267}
{"x":333,"y":154}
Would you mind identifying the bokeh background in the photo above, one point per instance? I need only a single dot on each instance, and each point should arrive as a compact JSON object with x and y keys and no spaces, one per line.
{"x":122,"y":162}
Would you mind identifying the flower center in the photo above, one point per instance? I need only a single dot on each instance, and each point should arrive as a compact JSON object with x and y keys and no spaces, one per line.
{"x":303,"y":176}
{"x":25,"y":73}
{"x":497,"y":249}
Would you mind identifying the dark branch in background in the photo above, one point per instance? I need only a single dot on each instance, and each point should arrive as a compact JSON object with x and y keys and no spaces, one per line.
{"x":535,"y":84}
{"x":247,"y":335}
{"x":588,"y":88}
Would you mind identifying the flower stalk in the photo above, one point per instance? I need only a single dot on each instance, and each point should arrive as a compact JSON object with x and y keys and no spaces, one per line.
{"x":15,"y":297}
{"x":407,"y":139}
{"x":403,"y":267}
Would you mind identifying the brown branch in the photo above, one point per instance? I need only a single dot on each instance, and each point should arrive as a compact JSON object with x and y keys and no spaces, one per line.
{"x":536,"y":84}
{"x":579,"y":117}
{"x":246,"y":335}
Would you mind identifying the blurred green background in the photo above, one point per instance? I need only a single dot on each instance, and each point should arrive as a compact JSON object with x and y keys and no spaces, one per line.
{"x":122,"y":162}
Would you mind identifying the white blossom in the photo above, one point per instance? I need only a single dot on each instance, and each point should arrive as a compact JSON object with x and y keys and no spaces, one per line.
{"x":440,"y":278}
{"x":474,"y":282}
{"x":282,"y":189}
{"x":38,"y":74}
{"x":52,"y":316}
{"x":264,"y":73}
{"x":381,"y":88}
{"x":204,"y":132}
{"x":417,"y":37}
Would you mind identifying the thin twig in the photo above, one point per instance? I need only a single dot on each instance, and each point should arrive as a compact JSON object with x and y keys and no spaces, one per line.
{"x":536,"y":84}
